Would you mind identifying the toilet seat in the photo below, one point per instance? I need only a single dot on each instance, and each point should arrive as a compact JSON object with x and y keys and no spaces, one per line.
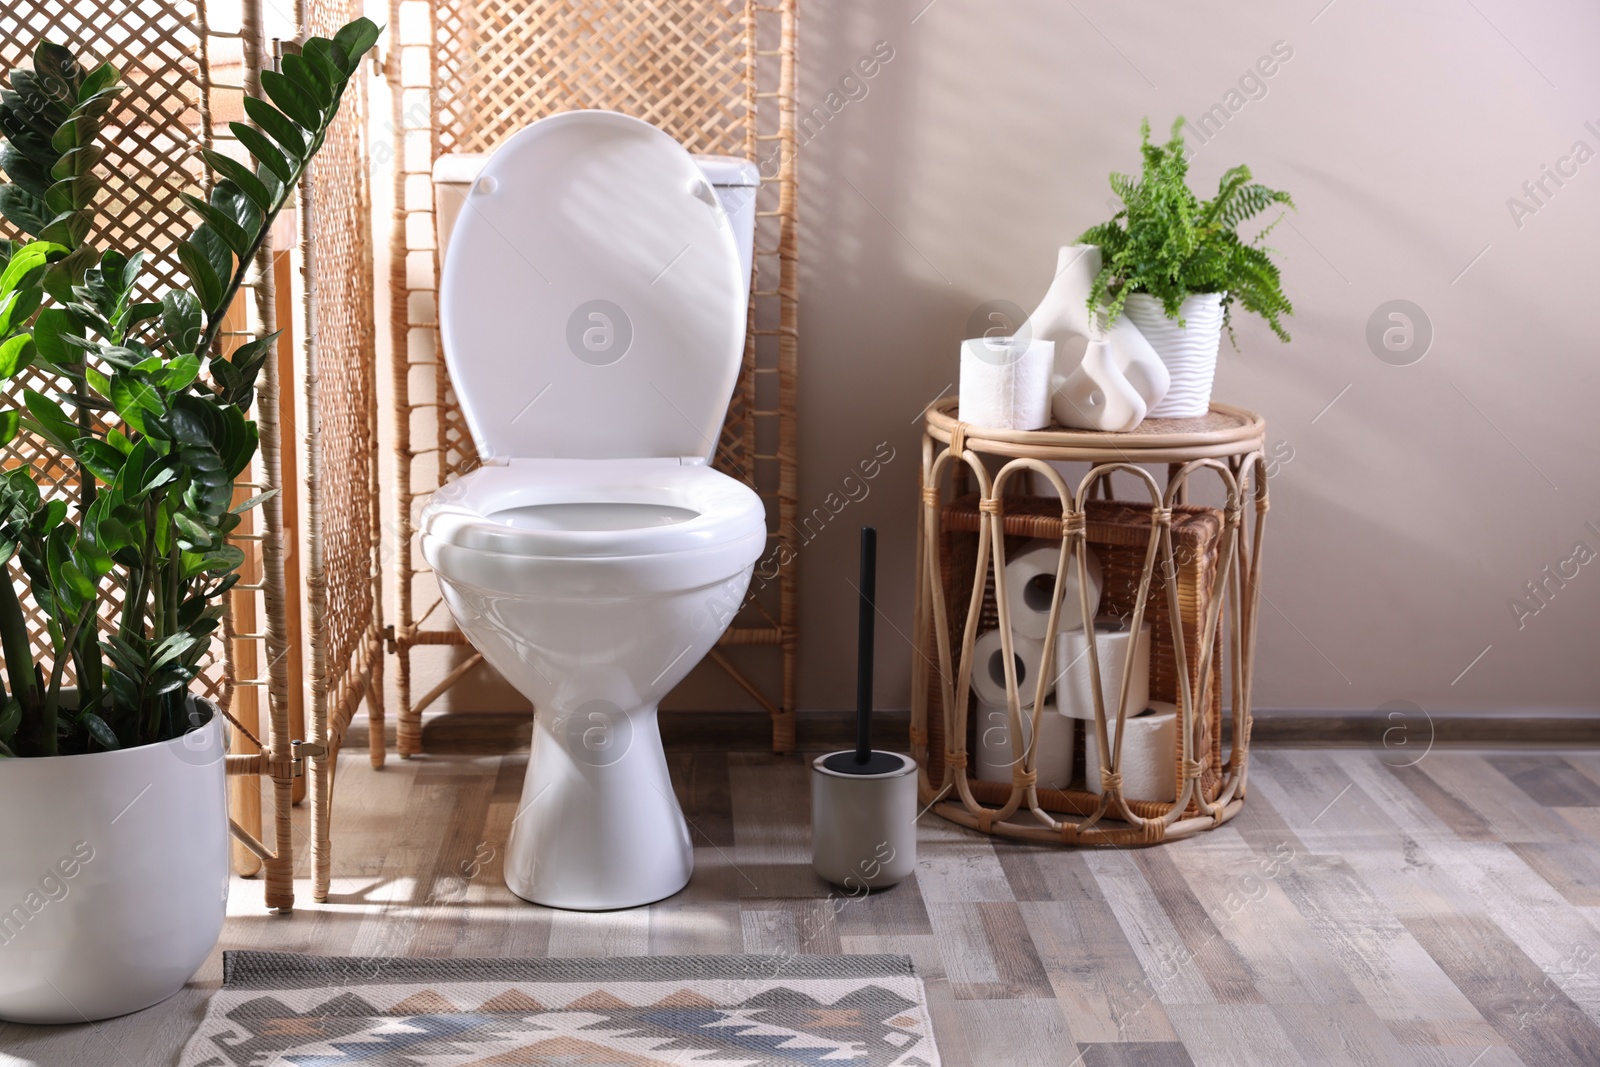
{"x":467,"y":533}
{"x":477,"y":512}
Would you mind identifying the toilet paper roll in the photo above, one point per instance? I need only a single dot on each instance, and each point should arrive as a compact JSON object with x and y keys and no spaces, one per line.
{"x":989,"y":668}
{"x":1005,"y":383}
{"x":1149,"y":754}
{"x":995,"y":755}
{"x":1031,"y":583}
{"x":1075,"y":695}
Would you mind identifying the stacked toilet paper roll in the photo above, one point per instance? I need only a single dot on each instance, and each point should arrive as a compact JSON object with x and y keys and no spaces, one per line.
{"x":994,"y":754}
{"x":1031,"y":585}
{"x":1149,"y":754}
{"x":1116,"y":643}
{"x":989,"y":668}
{"x":1005,"y":382}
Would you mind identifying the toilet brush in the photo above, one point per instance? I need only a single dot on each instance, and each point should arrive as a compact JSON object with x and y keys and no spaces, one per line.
{"x":864,"y":801}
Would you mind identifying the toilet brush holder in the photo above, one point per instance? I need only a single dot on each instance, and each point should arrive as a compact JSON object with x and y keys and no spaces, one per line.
{"x":863,"y":800}
{"x":863,"y":826}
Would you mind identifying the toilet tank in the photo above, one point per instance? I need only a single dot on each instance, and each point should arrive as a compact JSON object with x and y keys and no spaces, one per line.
{"x":735,"y":180}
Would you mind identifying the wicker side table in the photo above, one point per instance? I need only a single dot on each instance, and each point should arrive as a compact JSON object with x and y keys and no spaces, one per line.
{"x":1192,"y":571}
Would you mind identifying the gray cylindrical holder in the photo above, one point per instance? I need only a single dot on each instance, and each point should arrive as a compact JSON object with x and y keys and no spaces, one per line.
{"x":864,"y":826}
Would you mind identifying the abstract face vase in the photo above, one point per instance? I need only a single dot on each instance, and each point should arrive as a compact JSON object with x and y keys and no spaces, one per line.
{"x":1120,"y":377}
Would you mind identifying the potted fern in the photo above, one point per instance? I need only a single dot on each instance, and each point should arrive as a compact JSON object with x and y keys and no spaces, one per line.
{"x":1177,"y":265}
{"x":114,"y":875}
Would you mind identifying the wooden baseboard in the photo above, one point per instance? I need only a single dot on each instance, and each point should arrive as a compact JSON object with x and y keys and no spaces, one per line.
{"x":489,"y":732}
{"x":1415,"y":728}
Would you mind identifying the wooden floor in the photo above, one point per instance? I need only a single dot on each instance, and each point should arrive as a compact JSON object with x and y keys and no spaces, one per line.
{"x":1355,"y":912}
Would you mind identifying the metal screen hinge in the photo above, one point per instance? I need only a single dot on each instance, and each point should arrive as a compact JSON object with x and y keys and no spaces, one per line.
{"x":390,"y":641}
{"x":300,"y":751}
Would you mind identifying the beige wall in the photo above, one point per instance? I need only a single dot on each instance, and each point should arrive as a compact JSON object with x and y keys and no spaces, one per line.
{"x":1408,"y":514}
{"x":1415,"y":507}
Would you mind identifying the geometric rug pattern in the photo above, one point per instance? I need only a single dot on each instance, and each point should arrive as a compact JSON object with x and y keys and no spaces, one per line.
{"x":620,"y":1011}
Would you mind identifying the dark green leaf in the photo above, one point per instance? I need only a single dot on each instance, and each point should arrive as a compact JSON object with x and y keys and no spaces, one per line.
{"x":355,"y":38}
{"x":134,"y":401}
{"x":243,"y":177}
{"x":186,"y":427}
{"x":223,"y":559}
{"x":262,"y":149}
{"x":23,"y":210}
{"x":276,"y":125}
{"x":331,"y":59}
{"x":221,"y":258}
{"x":250,"y":356}
{"x":10,"y":421}
{"x":180,"y":318}
{"x":229,"y":199}
{"x":76,"y":131}
{"x":72,"y":194}
{"x":196,"y":535}
{"x":311,"y":79}
{"x":162,"y":476}
{"x":68,"y":272}
{"x":181,"y":373}
{"x":292,"y":99}
{"x":224,"y":226}
{"x":50,"y":420}
{"x":261,"y":498}
{"x":58,"y":71}
{"x":99,"y":730}
{"x":67,"y":229}
{"x":102,"y":78}
{"x":206,"y":283}
{"x":30,"y":176}
{"x":102,"y":460}
{"x":138,"y":313}
{"x":122,"y":356}
{"x":113,"y":534}
{"x":49,"y":332}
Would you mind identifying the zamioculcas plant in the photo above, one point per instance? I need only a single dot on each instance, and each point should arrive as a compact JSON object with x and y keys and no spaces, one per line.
{"x":148,"y":408}
{"x":1169,"y":243}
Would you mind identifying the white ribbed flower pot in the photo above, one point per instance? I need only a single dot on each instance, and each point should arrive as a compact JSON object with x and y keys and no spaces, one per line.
{"x":113,"y":876}
{"x":1189,"y":351}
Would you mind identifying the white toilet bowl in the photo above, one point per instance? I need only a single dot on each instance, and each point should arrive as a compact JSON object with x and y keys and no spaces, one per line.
{"x":596,"y":557}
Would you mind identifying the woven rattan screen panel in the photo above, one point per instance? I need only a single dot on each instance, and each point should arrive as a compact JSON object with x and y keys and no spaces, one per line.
{"x":151,"y":136}
{"x":341,"y":389}
{"x":718,"y":76}
{"x":342,"y":572}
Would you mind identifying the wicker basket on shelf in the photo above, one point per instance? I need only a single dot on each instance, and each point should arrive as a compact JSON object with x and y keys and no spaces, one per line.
{"x":1119,"y":533}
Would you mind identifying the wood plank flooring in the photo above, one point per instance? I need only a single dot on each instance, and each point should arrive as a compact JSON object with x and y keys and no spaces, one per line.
{"x":1445,"y":914}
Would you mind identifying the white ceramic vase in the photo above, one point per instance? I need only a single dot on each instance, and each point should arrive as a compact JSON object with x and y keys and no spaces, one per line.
{"x":1189,"y":351}
{"x":113,"y":876}
{"x":1119,"y":378}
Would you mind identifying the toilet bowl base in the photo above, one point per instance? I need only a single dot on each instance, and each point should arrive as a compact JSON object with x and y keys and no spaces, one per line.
{"x":598,"y":826}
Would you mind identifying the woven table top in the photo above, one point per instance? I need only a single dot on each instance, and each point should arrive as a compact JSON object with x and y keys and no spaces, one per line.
{"x":1223,"y":431}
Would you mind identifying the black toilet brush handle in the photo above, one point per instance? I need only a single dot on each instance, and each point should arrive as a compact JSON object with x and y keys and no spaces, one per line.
{"x":864,"y":634}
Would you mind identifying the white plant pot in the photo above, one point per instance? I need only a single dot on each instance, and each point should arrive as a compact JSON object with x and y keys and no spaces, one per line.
{"x":113,"y":876}
{"x":1189,"y":351}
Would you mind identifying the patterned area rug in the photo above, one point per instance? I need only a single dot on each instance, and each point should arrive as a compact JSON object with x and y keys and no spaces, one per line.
{"x":619,"y":1011}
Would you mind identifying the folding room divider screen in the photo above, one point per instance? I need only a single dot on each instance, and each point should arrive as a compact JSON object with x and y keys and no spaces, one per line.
{"x":186,"y":64}
{"x":717,"y":75}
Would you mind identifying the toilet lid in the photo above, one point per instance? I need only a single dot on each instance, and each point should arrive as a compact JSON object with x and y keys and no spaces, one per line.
{"x":593,"y":304}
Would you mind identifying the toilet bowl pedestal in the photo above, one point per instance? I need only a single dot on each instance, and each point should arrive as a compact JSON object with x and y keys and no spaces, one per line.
{"x":598,"y":826}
